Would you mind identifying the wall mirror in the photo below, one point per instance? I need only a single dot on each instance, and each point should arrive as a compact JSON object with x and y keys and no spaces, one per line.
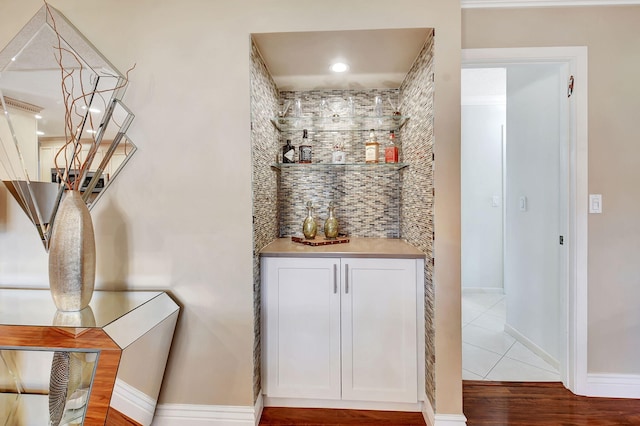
{"x":63,"y":119}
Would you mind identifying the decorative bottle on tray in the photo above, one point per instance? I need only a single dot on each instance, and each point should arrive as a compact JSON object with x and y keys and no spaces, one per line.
{"x":331,"y":224}
{"x":309,"y":226}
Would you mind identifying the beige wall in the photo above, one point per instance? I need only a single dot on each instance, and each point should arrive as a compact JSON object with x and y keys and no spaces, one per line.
{"x":179,"y":216}
{"x":446,"y":179}
{"x":612,"y":35}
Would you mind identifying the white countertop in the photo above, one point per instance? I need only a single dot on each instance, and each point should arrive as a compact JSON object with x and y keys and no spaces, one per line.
{"x":356,"y":247}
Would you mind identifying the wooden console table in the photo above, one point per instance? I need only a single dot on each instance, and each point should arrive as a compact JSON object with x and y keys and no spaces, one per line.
{"x":126,"y":336}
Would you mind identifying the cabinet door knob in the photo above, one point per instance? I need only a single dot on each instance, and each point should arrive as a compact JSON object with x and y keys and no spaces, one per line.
{"x":346,"y":278}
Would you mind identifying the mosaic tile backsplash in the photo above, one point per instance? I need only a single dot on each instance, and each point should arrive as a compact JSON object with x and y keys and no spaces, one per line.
{"x":367,"y":199}
{"x":417,"y":227}
{"x":264,"y":137}
{"x":338,"y":101}
{"x":367,"y":203}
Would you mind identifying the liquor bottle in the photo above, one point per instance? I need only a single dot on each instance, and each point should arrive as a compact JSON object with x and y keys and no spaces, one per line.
{"x":305,"y":148}
{"x":371,"y":148}
{"x":391,"y":151}
{"x":288,"y":153}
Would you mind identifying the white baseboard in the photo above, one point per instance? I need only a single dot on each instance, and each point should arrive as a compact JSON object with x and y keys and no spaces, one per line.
{"x":428,"y":413}
{"x":221,"y":415}
{"x":532,"y":346}
{"x":613,"y":385}
{"x":340,"y":404}
{"x":432,"y":419}
{"x":133,"y":403}
{"x":209,"y":415}
{"x":257,"y":409}
{"x":450,"y":420}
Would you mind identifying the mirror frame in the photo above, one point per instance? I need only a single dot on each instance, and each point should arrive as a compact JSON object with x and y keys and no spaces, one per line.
{"x":50,"y":19}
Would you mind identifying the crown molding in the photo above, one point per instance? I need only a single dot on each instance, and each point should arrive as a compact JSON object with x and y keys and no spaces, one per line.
{"x":477,"y":4}
{"x":21,"y":105}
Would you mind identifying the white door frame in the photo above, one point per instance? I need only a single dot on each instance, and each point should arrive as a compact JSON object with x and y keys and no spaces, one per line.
{"x":574,"y":362}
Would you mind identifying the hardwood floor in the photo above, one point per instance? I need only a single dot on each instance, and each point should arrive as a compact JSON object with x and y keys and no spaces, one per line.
{"x":323,"y":417}
{"x":485,"y":404}
{"x":542,"y":404}
{"x":116,"y":418}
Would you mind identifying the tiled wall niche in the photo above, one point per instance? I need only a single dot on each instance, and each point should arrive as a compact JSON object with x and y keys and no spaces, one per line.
{"x":418,"y":193}
{"x":264,"y":142}
{"x":367,"y":200}
{"x":370,"y":202}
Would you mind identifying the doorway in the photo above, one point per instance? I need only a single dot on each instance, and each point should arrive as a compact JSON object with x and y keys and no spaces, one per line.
{"x":512,"y":121}
{"x":543,"y":175}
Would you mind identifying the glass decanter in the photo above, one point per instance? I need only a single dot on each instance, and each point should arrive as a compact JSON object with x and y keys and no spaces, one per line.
{"x":331,"y":224}
{"x":309,"y":227}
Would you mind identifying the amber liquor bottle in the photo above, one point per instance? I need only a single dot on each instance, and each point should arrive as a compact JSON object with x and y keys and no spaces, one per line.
{"x":371,"y":148}
{"x":391,"y":151}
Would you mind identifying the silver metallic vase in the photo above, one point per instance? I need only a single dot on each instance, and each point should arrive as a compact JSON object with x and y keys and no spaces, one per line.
{"x":72,"y":255}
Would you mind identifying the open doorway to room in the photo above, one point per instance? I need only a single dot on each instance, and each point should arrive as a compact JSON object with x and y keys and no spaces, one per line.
{"x":515,"y":133}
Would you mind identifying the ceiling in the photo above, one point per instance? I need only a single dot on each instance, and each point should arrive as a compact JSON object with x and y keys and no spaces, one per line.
{"x":377,"y":58}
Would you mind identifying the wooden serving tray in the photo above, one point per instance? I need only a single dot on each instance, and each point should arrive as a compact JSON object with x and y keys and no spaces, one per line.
{"x":320,"y":241}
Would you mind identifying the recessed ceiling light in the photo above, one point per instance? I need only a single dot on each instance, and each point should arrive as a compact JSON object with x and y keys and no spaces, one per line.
{"x":339,"y":67}
{"x":40,"y":133}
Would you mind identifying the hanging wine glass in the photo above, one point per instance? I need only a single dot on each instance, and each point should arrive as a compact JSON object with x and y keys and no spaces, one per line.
{"x":377,"y":106}
{"x":395,"y":107}
{"x":282,"y":113}
{"x":297,"y":107}
{"x":324,"y":107}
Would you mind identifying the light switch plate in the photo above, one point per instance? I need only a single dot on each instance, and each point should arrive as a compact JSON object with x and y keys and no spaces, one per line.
{"x":522,"y":203}
{"x":595,"y":203}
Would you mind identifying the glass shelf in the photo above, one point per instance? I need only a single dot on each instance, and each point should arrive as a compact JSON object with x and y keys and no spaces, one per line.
{"x":331,"y":166}
{"x":334,"y":124}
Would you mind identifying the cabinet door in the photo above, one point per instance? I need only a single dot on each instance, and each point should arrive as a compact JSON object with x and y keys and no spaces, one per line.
{"x":379,"y":348}
{"x":301,"y":314}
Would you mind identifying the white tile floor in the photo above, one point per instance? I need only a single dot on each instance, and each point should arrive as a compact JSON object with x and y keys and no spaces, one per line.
{"x":488,"y":353}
